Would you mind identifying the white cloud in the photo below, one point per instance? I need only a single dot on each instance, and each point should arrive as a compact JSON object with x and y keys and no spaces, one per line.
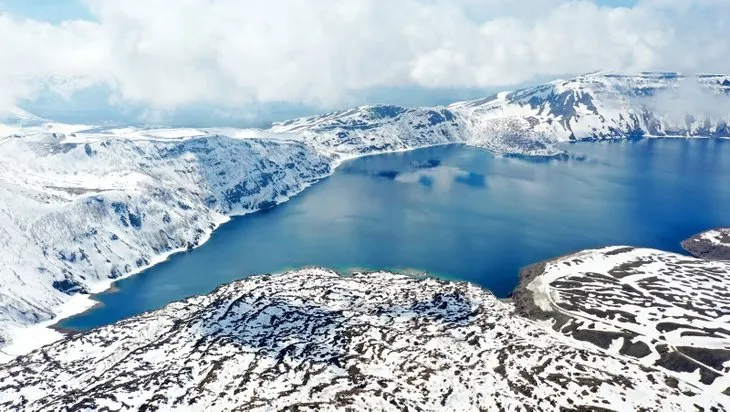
{"x":689,"y":96}
{"x":32,"y":50}
{"x":167,"y":53}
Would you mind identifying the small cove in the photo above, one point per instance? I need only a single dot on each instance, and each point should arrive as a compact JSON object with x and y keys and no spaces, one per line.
{"x":457,"y":212}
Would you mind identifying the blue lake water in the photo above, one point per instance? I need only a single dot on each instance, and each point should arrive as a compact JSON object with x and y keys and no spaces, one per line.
{"x":457,"y":212}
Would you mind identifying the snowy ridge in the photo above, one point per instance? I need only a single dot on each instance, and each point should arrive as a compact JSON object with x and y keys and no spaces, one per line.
{"x":611,"y":106}
{"x":312,"y":340}
{"x":363,"y":129}
{"x":371,"y":129}
{"x":81,"y":205}
{"x":666,"y":310}
{"x":595,"y":106}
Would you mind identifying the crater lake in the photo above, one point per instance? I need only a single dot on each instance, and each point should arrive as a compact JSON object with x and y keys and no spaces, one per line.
{"x":456,"y":212}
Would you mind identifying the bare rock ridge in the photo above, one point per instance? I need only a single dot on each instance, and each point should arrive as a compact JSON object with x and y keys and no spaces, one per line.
{"x":713,"y":244}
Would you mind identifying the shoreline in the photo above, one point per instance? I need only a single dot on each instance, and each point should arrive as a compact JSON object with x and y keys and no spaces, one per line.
{"x":31,"y":337}
{"x":519,"y":294}
{"x":27,"y":338}
{"x":559,"y":321}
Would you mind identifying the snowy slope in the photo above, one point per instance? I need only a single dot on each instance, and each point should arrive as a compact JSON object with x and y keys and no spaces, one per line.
{"x":81,"y":205}
{"x":312,"y":340}
{"x":610,"y":106}
{"x":73,"y":215}
{"x":666,"y":310}
{"x":18,"y":116}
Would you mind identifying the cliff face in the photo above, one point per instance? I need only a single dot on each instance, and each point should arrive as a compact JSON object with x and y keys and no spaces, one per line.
{"x":76,"y":214}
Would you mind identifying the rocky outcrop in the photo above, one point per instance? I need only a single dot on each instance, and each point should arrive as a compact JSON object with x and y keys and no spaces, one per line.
{"x":713,"y":244}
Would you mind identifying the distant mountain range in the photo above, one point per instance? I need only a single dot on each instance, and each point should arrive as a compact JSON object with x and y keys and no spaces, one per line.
{"x":81,"y":205}
{"x":591,"y":107}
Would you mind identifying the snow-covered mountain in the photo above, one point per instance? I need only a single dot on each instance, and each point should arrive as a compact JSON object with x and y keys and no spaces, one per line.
{"x":18,"y":116}
{"x":81,"y":205}
{"x":610,"y":106}
{"x":313,"y":340}
{"x":530,"y":121}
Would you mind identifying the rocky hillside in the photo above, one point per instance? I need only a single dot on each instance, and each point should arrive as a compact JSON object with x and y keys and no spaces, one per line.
{"x":312,"y":340}
{"x":665,"y":310}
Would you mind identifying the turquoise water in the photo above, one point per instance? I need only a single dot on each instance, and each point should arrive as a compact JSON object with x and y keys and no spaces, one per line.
{"x":457,"y":212}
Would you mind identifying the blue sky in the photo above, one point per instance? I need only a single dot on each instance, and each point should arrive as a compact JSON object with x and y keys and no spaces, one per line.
{"x":52,"y":11}
{"x":230,"y":62}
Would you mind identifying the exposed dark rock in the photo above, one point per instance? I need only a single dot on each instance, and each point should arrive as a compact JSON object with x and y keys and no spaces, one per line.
{"x":714,"y":244}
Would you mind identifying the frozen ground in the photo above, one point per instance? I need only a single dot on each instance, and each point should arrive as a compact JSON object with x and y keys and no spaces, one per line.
{"x":312,"y":340}
{"x":665,"y":310}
